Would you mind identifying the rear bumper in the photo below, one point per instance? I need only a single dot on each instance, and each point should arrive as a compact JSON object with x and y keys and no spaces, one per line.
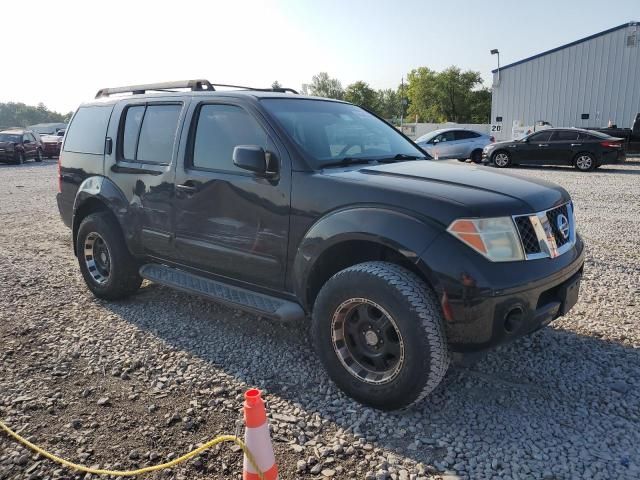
{"x":487,"y":303}
{"x":51,"y":149}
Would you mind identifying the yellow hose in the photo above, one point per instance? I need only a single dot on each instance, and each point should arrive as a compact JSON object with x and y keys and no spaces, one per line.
{"x":139,"y":471}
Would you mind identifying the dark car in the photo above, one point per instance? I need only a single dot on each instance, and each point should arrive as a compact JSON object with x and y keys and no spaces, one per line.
{"x":583,"y":149}
{"x":18,"y":146}
{"x":293,"y":207}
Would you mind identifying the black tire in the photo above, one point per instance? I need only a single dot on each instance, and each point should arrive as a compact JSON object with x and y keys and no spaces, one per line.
{"x":38,"y":157}
{"x":121,"y":278}
{"x":584,"y":161}
{"x":462,"y":159}
{"x":416,"y":317}
{"x":476,"y":156}
{"x":501,"y":159}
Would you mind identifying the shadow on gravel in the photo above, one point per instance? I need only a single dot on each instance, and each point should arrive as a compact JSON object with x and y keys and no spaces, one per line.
{"x":556,"y":401}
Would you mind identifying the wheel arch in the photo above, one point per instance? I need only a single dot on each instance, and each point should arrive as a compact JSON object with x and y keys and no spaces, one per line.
{"x":348,"y":237}
{"x":99,"y":194}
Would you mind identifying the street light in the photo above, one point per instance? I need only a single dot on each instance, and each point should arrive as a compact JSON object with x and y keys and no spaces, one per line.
{"x":495,"y":51}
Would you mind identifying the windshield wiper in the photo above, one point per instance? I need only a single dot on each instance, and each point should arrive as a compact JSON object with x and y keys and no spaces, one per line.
{"x":347,"y":161}
{"x":404,"y":156}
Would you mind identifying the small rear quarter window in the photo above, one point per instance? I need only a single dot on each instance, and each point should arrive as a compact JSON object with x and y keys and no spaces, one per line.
{"x":88,"y":129}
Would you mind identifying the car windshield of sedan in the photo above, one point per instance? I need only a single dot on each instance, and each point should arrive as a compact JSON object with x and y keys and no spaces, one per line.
{"x":331,"y":131}
{"x":9,"y":137}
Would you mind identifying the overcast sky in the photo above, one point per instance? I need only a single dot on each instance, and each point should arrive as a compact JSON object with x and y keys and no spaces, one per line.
{"x":61,"y":53}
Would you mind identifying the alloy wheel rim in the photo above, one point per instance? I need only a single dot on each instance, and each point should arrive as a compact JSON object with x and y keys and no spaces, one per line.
{"x":97,"y":258}
{"x":501,"y":159}
{"x":584,"y":162}
{"x":367,"y":341}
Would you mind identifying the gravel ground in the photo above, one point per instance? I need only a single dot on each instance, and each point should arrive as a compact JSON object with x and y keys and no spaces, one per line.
{"x":137,"y":382}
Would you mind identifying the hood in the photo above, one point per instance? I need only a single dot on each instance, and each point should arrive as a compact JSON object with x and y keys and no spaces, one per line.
{"x":482,"y":190}
{"x":7,"y":144}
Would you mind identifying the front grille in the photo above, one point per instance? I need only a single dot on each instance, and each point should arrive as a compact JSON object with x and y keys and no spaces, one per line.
{"x":527,"y":235}
{"x":552,"y":215}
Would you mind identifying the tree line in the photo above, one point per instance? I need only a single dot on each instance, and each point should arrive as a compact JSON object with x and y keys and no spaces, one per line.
{"x":15,"y":114}
{"x":451,"y":95}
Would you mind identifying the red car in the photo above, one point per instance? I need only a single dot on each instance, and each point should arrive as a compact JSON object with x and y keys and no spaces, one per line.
{"x":51,"y":144}
{"x":18,"y":145}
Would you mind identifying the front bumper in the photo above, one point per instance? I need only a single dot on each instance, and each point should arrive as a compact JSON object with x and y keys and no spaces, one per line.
{"x":479,"y":297}
{"x":7,"y":156}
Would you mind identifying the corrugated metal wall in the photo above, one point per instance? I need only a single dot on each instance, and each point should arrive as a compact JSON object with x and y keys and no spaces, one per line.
{"x":600,"y":77}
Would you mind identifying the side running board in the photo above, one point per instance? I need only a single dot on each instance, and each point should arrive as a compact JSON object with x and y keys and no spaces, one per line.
{"x":233,"y":296}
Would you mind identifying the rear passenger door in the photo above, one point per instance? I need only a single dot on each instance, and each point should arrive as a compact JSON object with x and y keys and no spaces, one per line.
{"x":29,"y":145}
{"x":464,"y":143}
{"x":229,"y":221}
{"x":563,"y":145}
{"x":142,"y":165}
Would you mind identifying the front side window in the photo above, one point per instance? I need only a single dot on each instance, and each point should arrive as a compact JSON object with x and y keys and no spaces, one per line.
{"x":332,"y":131}
{"x":219,"y":130}
{"x":149,"y":132}
{"x":540,"y":137}
{"x":444,"y":137}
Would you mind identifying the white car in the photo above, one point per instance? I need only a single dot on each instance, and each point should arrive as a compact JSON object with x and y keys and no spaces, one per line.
{"x":456,"y":143}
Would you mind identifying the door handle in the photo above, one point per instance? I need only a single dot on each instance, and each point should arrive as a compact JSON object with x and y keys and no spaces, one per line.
{"x":543,"y":144}
{"x":576,"y":144}
{"x":186,"y":188}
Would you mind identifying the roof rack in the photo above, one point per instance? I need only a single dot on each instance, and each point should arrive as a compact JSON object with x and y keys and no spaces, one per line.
{"x":193,"y":85}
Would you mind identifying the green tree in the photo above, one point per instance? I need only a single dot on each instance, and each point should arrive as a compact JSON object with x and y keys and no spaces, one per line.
{"x":276,"y":84}
{"x":388,"y":103}
{"x":15,"y":114}
{"x":362,"y":94}
{"x":322,"y":85}
{"x":448,"y":96}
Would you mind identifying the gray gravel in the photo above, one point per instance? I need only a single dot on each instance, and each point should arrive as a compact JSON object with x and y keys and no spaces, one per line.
{"x":124,"y":384}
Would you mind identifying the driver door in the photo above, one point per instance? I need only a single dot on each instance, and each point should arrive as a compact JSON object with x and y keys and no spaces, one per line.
{"x":535,"y":149}
{"x":444,"y":145}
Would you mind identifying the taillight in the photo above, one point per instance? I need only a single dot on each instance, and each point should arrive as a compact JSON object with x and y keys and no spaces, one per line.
{"x":59,"y":173}
{"x":611,"y":144}
{"x":492,"y":139}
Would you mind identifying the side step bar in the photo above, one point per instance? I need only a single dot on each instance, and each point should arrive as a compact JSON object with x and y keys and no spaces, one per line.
{"x":217,"y":291}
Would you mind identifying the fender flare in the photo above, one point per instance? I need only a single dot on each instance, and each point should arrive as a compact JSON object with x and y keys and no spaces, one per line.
{"x":106,"y":192}
{"x":399,"y":230}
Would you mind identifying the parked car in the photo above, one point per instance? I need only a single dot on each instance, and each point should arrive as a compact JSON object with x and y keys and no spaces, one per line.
{"x":19,"y":145}
{"x":51,"y":143}
{"x":243,"y":197}
{"x":584,"y":149}
{"x":631,"y":136}
{"x":457,"y":143}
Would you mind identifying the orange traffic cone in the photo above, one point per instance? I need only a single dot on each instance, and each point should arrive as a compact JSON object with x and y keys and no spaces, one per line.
{"x":257,"y":438}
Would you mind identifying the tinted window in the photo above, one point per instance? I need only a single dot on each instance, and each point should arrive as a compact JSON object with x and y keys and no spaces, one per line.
{"x":565,"y":135}
{"x":220,"y":129}
{"x":445,"y":137}
{"x":7,"y":137}
{"x":158,"y":133}
{"x":540,"y":137}
{"x":593,"y":136}
{"x":87,"y":131}
{"x":330,"y":131}
{"x":465,"y":134}
{"x":132,"y":122}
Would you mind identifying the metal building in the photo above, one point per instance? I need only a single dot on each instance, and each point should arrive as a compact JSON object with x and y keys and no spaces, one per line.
{"x":586,"y":83}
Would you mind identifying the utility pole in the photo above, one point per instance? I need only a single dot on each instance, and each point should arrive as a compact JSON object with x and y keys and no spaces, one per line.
{"x":401,"y":101}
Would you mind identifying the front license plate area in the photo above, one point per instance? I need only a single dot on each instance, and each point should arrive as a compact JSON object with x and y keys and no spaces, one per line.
{"x":569,"y":294}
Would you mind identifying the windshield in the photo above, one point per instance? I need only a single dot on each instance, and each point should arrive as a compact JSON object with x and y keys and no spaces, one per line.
{"x":9,"y":137}
{"x":330,"y":131}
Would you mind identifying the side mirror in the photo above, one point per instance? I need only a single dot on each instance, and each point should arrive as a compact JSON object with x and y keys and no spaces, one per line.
{"x":435,"y":141}
{"x":252,"y":158}
{"x":26,"y":141}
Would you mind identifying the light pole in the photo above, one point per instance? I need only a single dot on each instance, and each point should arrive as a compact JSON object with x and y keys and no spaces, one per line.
{"x":495,"y":51}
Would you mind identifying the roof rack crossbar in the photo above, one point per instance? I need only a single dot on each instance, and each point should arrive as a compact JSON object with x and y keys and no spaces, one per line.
{"x":193,"y":85}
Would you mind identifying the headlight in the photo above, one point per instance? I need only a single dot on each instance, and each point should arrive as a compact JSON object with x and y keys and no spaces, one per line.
{"x":495,"y":238}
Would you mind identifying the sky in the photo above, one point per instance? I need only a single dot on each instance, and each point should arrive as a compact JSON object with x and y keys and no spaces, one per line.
{"x":61,"y":53}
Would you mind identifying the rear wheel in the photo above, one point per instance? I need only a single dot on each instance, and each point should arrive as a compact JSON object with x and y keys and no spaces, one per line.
{"x":109,"y":270}
{"x":476,"y":156}
{"x":378,"y":331}
{"x":584,"y":162}
{"x":501,"y":159}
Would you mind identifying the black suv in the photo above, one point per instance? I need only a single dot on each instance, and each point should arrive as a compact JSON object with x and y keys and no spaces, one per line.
{"x":291,"y":206}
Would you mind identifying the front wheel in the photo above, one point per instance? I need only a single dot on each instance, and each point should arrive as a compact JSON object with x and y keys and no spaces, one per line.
{"x":501,"y":160}
{"x":379,"y":333}
{"x":109,"y":270}
{"x":39,"y":156}
{"x":20,"y":159}
{"x":584,"y":162}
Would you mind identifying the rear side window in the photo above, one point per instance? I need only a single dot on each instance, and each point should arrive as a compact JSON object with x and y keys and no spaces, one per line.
{"x":149,"y":133}
{"x":219,"y":130}
{"x":465,"y":134}
{"x":564,"y":136}
{"x":87,"y":131}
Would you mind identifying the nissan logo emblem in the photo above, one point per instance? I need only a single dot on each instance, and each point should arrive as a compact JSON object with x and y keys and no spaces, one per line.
{"x":562,"y":222}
